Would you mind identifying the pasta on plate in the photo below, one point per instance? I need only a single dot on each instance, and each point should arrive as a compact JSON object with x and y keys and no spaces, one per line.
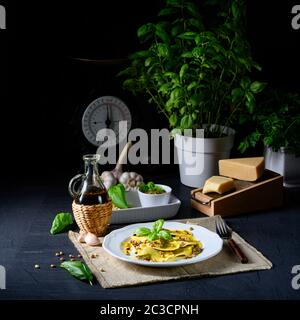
{"x":182,"y":245}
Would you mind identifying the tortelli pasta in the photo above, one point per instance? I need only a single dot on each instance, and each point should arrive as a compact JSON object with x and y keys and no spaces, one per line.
{"x":182,"y":246}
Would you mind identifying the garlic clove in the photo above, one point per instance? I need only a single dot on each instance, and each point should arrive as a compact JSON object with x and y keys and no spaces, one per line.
{"x":91,"y":239}
{"x":124,"y":177}
{"x":132,"y":175}
{"x":105,"y":174}
{"x":109,"y":183}
{"x":108,"y":179}
{"x":81,"y":236}
{"x":139,"y":178}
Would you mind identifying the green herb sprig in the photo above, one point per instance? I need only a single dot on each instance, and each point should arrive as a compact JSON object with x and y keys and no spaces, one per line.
{"x":198,"y":72}
{"x":151,"y":187}
{"x":155,"y":233}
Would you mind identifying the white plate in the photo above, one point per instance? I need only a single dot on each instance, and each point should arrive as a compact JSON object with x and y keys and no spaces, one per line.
{"x":212,"y":244}
{"x":139,"y":214}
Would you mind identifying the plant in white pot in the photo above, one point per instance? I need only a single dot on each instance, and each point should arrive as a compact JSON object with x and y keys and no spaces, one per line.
{"x":198,"y":76}
{"x":277,"y":125}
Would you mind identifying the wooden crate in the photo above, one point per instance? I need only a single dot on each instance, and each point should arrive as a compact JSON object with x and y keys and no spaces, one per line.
{"x":266,"y":193}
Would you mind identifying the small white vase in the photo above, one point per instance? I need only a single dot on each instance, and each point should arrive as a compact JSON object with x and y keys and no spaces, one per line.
{"x":198,"y":157}
{"x":284,"y":163}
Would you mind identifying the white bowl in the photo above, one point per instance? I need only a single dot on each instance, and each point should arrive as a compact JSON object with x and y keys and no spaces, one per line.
{"x":152,"y":200}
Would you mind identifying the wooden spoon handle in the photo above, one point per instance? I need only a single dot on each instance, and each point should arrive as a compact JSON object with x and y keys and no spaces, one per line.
{"x":237,"y":250}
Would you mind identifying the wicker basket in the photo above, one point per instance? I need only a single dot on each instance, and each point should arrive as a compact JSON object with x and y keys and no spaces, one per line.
{"x":94,"y":219}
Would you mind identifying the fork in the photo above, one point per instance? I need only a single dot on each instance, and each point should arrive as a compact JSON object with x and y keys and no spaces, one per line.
{"x":226,"y":234}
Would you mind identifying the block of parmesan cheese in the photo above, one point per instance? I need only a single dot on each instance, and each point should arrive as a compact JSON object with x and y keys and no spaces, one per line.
{"x":248,"y":169}
{"x":218,"y":184}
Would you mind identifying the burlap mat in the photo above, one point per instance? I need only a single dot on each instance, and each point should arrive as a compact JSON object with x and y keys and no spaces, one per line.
{"x":113,"y":273}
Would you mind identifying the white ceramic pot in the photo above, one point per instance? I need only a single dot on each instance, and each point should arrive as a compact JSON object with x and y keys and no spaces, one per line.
{"x":284,"y":163}
{"x":152,"y":200}
{"x":198,"y":157}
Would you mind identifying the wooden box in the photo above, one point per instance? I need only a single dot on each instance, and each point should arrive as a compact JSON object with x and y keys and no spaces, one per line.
{"x":263,"y":194}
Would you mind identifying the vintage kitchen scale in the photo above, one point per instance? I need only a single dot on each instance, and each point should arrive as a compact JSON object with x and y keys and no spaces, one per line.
{"x":99,"y":102}
{"x":263,"y":194}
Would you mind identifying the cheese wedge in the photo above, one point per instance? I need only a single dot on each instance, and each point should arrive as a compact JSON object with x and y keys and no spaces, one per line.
{"x":248,"y":169}
{"x":218,"y":184}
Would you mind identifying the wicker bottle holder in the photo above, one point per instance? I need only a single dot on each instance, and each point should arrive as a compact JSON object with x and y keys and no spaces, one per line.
{"x":94,"y":218}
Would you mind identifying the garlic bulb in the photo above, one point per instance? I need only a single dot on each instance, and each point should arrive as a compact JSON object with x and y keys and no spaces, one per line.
{"x":130,"y":180}
{"x":110,"y":178}
{"x":91,"y":239}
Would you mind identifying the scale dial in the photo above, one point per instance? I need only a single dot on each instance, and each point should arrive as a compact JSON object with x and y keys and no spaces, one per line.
{"x":105,"y":113}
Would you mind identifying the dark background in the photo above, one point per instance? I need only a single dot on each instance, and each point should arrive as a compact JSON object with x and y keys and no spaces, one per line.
{"x":43,"y":89}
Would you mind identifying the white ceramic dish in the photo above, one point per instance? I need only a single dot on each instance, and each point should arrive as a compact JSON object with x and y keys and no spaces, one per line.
{"x":212,"y":244}
{"x":151,"y":200}
{"x":137,"y":213}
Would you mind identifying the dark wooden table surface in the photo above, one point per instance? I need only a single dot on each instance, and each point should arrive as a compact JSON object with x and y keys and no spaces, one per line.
{"x":28,"y":207}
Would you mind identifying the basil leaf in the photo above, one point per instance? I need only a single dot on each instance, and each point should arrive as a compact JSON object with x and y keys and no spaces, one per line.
{"x":61,"y":222}
{"x":158,"y":225}
{"x":143,"y":231}
{"x":257,"y":86}
{"x":143,"y":188}
{"x":155,"y":232}
{"x":159,"y":189}
{"x":78,"y":270}
{"x":152,"y":236}
{"x":117,"y":195}
{"x":151,"y":185}
{"x":165,"y":235}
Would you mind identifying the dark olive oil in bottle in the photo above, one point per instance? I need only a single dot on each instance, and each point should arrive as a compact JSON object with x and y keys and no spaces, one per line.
{"x":92,"y":197}
{"x":92,"y":190}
